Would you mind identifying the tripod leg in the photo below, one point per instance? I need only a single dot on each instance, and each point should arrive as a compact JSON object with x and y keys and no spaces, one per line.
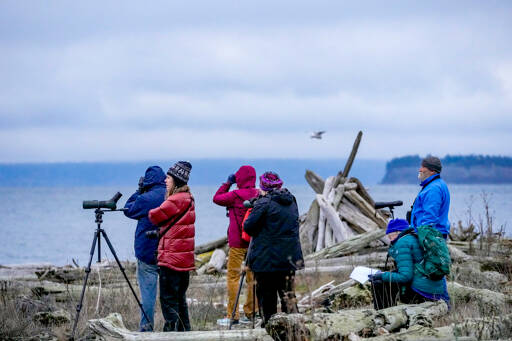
{"x":125,"y":277}
{"x":235,"y":307}
{"x":99,"y":244}
{"x":253,"y":303}
{"x":87,"y":271}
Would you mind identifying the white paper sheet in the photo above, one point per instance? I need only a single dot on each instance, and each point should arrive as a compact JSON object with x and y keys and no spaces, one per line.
{"x":360,"y":273}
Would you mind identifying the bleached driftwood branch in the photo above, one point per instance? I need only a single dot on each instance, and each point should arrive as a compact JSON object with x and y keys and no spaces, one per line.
{"x":315,"y":181}
{"x":112,"y":328}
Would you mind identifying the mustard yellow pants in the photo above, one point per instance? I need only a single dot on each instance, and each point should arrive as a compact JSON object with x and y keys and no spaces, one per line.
{"x":236,"y":257}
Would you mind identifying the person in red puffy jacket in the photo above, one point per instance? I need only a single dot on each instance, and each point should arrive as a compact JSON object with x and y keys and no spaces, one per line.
{"x":245,"y":178}
{"x":176,"y":246}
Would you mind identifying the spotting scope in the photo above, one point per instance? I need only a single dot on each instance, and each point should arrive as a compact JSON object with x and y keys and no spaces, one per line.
{"x":110,"y":204}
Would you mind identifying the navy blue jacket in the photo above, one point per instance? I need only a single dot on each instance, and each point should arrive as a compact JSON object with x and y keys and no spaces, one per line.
{"x":273,"y":225}
{"x":432,"y":205}
{"x":138,"y":207}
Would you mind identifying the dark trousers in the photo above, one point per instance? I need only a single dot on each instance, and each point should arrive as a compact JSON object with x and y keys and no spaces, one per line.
{"x":173,"y":301}
{"x":386,"y":294}
{"x":269,"y":285}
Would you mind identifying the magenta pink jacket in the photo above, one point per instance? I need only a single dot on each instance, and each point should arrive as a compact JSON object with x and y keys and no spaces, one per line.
{"x":245,"y":180}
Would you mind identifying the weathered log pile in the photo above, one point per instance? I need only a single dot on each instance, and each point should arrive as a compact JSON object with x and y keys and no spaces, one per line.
{"x":341,"y":210}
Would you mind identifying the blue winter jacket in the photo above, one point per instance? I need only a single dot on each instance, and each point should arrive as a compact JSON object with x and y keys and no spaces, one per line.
{"x":432,"y":204}
{"x":406,"y":252}
{"x":138,"y":207}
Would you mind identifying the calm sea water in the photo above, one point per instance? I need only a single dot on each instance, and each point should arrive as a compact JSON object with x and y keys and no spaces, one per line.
{"x":49,"y":224}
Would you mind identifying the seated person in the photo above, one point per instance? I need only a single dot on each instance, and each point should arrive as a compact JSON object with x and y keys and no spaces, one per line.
{"x":405,"y":284}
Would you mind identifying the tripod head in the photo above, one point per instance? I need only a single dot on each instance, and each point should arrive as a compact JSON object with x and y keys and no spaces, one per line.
{"x":388,"y":204}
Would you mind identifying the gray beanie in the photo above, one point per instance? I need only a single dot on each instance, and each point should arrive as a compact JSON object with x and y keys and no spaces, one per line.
{"x":433,"y":163}
{"x":180,"y":171}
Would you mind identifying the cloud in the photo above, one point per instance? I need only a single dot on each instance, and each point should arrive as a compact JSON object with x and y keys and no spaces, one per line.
{"x":250,"y":72}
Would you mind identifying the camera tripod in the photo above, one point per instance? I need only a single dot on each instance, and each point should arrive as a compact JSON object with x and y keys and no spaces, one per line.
{"x":97,"y":239}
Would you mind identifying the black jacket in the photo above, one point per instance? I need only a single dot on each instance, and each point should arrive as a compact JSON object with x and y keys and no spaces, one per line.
{"x":274,"y":226}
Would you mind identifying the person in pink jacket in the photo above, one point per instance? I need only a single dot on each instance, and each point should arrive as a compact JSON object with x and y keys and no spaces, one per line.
{"x":245,"y":178}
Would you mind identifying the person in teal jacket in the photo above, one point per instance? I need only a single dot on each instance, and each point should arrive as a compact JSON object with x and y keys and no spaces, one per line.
{"x":405,"y":284}
{"x":432,"y":204}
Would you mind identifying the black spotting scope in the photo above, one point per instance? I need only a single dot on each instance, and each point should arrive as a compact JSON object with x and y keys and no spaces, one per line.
{"x":110,"y":204}
{"x":389,"y":204}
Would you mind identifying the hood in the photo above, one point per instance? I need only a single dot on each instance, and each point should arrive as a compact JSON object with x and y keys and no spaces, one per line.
{"x":246,"y":177}
{"x":154,"y":175}
{"x":282,"y":196}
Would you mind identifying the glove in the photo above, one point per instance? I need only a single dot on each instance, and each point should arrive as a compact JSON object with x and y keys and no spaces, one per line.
{"x":376,"y":278}
{"x":231,"y":179}
{"x":141,"y":185}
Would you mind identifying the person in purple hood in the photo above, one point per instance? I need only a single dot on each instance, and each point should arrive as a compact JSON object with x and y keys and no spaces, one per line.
{"x":245,"y":178}
{"x":275,"y":252}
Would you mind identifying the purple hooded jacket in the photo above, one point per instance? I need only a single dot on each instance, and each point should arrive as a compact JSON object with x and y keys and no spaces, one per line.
{"x":245,"y":180}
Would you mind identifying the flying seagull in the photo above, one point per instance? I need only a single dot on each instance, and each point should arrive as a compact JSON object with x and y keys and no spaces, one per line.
{"x":317,"y":134}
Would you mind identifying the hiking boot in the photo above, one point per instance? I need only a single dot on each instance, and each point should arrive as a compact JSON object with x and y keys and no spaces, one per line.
{"x":225,"y":322}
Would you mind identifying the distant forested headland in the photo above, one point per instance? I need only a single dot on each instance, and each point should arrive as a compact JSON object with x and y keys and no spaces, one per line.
{"x":460,"y":169}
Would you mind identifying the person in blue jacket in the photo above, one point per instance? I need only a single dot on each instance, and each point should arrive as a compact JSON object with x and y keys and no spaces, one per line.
{"x":151,"y":194}
{"x":405,"y":284}
{"x":432,"y":204}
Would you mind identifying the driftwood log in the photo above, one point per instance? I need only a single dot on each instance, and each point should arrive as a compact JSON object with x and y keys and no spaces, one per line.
{"x":489,"y":302}
{"x":348,"y":246}
{"x":470,"y":274}
{"x":358,"y":221}
{"x":490,"y":328}
{"x":216,"y":262}
{"x":112,"y":328}
{"x":362,"y":191}
{"x":211,"y":245}
{"x":364,"y":322}
{"x":352,"y":155}
{"x":333,"y":219}
{"x":315,"y":181}
{"x":309,"y":229}
{"x":418,"y":333}
{"x":365,"y":207}
{"x":66,"y":292}
{"x":107,"y":272}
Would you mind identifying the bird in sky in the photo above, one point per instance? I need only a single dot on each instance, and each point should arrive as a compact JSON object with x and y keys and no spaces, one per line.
{"x":317,"y":134}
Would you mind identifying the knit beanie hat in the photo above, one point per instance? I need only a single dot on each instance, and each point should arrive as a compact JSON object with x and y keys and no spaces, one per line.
{"x":269,"y":181}
{"x":395,"y":225}
{"x":433,"y":163}
{"x":180,"y":172}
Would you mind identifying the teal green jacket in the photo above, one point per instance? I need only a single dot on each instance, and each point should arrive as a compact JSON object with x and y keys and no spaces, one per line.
{"x":406,"y":252}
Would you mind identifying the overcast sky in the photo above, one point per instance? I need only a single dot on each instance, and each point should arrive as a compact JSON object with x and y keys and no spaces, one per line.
{"x":132,"y":80}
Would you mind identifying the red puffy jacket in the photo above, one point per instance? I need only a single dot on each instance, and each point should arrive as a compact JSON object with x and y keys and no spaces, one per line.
{"x":176,"y":247}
